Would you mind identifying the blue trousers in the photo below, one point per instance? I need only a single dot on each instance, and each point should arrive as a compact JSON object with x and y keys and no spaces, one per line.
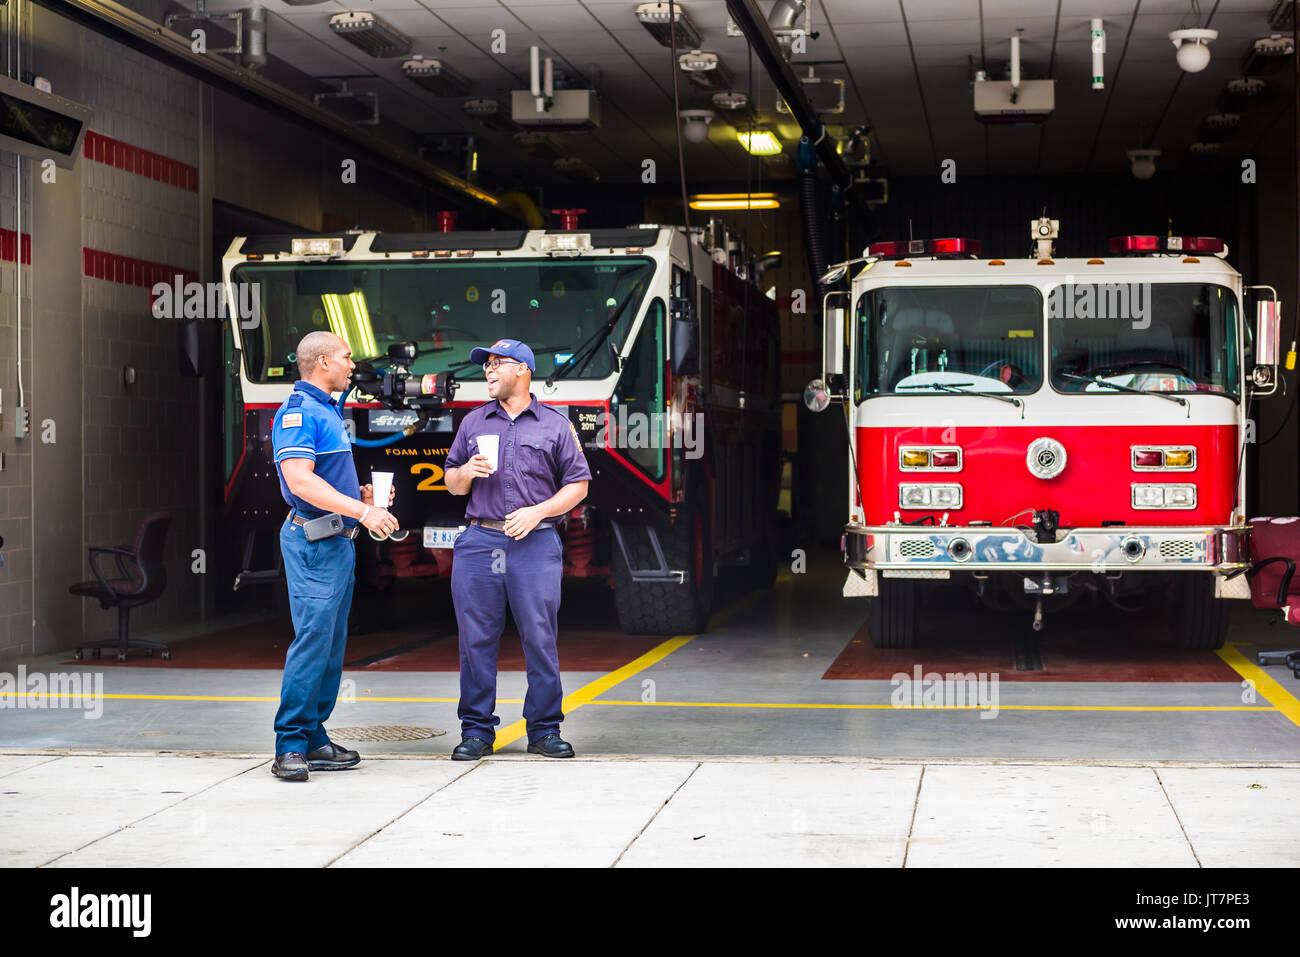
{"x":320,"y":576}
{"x":489,"y":569}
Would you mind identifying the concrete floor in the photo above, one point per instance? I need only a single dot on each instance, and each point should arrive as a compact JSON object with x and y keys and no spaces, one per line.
{"x":1071,"y":770}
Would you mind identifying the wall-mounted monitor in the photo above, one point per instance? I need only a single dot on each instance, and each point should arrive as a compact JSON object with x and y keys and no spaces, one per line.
{"x":41,"y":125}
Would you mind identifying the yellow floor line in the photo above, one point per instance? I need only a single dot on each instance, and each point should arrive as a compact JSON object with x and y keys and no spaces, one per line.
{"x":917,"y":707}
{"x":187,"y":697}
{"x":584,"y":695}
{"x":1264,"y":683}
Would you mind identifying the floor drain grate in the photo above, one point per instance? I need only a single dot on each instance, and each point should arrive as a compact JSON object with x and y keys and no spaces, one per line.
{"x":385,"y":732}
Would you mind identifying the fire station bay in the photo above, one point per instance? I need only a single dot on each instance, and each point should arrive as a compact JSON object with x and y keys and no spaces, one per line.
{"x":847,"y":432}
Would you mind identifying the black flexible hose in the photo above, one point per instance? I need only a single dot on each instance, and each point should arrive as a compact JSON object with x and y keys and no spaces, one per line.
{"x":812,"y":234}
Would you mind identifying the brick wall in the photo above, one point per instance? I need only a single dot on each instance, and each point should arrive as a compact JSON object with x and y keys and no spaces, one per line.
{"x":16,"y":479}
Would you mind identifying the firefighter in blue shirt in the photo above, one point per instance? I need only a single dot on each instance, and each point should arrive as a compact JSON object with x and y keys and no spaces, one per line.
{"x":510,"y":550}
{"x":313,"y":459}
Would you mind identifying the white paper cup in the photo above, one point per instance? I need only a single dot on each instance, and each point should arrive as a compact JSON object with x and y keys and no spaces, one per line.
{"x":489,"y":446}
{"x":383,"y":485}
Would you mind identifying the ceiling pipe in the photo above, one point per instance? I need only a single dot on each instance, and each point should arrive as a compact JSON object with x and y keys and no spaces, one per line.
{"x":140,"y":33}
{"x":754,"y":26}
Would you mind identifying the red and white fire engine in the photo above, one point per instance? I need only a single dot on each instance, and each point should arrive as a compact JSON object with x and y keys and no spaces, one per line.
{"x":1048,"y":429}
{"x":671,"y":387}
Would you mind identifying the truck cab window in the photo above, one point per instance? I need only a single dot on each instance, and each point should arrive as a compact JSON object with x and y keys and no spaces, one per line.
{"x":937,"y":339}
{"x":1159,"y":337}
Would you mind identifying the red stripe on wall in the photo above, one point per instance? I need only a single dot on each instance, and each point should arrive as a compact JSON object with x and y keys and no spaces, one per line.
{"x":98,"y":264}
{"x":9,"y":246}
{"x":132,"y":159}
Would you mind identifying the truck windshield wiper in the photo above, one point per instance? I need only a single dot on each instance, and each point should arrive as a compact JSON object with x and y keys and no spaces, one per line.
{"x":953,"y":388}
{"x":587,"y":351}
{"x":1122,"y":388}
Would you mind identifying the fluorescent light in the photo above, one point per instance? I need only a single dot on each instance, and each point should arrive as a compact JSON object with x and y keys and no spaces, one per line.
{"x":735,"y":201}
{"x":371,"y":34}
{"x":760,"y":142}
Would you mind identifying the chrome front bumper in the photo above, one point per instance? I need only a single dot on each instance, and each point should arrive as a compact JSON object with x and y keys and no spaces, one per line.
{"x":1003,"y":548}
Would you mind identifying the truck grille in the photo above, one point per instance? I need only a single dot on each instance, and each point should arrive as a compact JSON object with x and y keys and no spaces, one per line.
{"x":916,"y":548}
{"x":1177,"y":548}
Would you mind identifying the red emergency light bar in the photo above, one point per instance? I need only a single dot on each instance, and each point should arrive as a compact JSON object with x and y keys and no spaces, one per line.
{"x":1194,"y":244}
{"x":954,"y":247}
{"x":1135,"y":244}
{"x":1173,"y":244}
{"x":922,"y":247}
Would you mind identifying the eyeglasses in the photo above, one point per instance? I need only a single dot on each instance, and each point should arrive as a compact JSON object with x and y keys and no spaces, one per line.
{"x":494,"y":363}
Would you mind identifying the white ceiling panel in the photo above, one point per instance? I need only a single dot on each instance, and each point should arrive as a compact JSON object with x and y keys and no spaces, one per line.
{"x":1144,"y":84}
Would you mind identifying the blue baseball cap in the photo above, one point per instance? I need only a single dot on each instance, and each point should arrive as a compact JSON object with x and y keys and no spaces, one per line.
{"x":505,"y":347}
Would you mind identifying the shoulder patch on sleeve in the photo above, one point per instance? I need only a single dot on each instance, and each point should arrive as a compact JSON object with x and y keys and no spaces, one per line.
{"x":576,"y":437}
{"x":291,"y":420}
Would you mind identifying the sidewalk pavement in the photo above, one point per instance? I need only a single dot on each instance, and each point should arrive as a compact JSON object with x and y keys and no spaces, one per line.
{"x":207,"y":809}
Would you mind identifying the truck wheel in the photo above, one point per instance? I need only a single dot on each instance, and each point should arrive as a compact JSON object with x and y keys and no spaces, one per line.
{"x":891,"y":615}
{"x":659,"y":608}
{"x":1200,"y":619}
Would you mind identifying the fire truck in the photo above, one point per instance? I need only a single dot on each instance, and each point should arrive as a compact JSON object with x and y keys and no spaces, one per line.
{"x":659,"y":348}
{"x":1044,"y":430}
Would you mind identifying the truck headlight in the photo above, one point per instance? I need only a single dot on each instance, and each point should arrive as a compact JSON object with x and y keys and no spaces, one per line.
{"x":1164,"y":496}
{"x":929,"y":496}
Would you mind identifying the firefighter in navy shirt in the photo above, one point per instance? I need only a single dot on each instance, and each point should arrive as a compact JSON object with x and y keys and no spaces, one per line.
{"x":313,"y":459}
{"x":510,"y":550}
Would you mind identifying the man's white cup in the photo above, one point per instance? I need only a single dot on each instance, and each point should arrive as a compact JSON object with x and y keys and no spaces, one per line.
{"x":383,"y":486}
{"x":489,"y":446}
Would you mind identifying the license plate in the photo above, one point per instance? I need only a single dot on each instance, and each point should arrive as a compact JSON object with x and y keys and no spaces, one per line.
{"x":436,"y":537}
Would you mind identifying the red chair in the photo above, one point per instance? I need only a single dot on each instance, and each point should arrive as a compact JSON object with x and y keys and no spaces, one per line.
{"x":1275,"y":548}
{"x":143,"y":583}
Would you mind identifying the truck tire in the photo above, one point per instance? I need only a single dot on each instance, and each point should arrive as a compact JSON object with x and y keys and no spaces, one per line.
{"x":891,"y":616}
{"x":1200,"y":619}
{"x":658,"y":608}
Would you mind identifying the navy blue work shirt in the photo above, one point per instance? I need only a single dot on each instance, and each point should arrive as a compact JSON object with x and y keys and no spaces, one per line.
{"x":309,"y":425}
{"x":539,"y":453}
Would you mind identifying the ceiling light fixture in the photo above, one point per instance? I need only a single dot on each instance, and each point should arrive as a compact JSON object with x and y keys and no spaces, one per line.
{"x":718,"y":201}
{"x":1142,"y":163}
{"x":759,"y":142}
{"x":488,"y":112}
{"x":705,"y":69}
{"x":655,"y":18}
{"x":695,"y":125}
{"x":1193,"y":48}
{"x":1267,"y":55}
{"x":370,"y":34}
{"x":435,"y":76}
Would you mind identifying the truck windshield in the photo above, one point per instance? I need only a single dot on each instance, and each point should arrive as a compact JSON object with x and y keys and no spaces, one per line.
{"x":446,"y":307}
{"x":1157,"y":337}
{"x":935,"y":340}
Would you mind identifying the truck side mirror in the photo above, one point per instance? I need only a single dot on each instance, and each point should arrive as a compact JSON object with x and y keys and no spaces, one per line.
{"x":816,"y":396}
{"x":189,"y":348}
{"x":1268,"y":322}
{"x":833,"y":342}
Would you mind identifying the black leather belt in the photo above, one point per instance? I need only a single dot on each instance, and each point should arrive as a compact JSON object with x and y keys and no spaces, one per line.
{"x":348,"y":531}
{"x":501,"y":526}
